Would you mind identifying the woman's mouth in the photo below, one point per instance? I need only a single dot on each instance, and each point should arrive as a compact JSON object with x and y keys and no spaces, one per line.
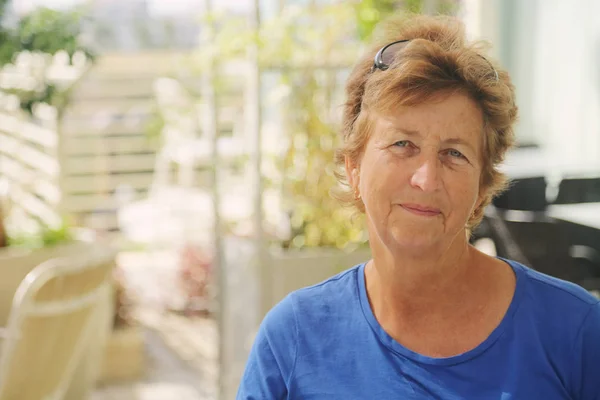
{"x":421,"y":210}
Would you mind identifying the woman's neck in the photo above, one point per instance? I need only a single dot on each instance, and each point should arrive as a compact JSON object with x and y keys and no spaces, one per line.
{"x":431,"y":282}
{"x":441,"y":306}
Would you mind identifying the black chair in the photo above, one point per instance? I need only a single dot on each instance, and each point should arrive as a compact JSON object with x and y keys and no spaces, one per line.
{"x":527,"y":194}
{"x":494,"y":227}
{"x":542,"y":243}
{"x":582,"y":234}
{"x":580,"y":190}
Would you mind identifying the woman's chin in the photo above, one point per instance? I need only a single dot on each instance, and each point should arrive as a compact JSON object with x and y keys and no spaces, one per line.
{"x":415,"y":240}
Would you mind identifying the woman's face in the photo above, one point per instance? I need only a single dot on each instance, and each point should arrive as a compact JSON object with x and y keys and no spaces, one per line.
{"x":419,"y":174}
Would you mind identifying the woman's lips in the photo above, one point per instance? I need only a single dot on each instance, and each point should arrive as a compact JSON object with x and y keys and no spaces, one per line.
{"x":421,"y":210}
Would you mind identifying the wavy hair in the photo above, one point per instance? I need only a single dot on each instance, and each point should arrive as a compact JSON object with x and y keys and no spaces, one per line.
{"x":438,"y":59}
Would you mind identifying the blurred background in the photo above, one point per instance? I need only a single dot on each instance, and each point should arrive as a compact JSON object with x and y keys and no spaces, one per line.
{"x":168,"y":165}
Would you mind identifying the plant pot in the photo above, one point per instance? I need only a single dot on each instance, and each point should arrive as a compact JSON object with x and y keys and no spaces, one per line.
{"x":124,"y":355}
{"x":290,"y":270}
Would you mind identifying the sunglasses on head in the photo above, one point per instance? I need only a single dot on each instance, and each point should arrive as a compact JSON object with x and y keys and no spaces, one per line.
{"x":385,"y":56}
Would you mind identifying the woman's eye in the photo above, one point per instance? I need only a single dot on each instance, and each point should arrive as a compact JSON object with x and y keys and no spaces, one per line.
{"x":402,"y":143}
{"x":455,"y":153}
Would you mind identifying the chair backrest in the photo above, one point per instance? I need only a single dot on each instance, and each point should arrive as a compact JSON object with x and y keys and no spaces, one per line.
{"x":16,"y":263}
{"x":496,"y":229}
{"x":52,"y":319}
{"x":545,"y":244}
{"x":528,"y":194}
{"x":580,"y":190}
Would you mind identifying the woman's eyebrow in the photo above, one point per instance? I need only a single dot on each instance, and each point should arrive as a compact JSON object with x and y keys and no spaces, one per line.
{"x":407,"y":132}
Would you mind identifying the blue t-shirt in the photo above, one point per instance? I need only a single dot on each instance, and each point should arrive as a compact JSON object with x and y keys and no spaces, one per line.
{"x":323,"y":342}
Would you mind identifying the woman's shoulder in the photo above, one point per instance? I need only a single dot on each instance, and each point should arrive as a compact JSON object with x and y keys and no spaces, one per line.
{"x":553,"y":289}
{"x":567,"y":320}
{"x":553,"y":300}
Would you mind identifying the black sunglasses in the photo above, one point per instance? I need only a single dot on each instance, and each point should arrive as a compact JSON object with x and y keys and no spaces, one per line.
{"x":385,"y":56}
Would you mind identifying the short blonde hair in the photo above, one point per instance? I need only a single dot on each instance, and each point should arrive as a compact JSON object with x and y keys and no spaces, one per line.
{"x":436,"y":60}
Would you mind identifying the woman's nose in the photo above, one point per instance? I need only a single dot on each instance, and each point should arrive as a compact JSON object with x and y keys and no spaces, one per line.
{"x":427,"y":174}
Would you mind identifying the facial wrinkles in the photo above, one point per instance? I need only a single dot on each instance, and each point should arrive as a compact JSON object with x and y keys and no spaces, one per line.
{"x":386,"y":169}
{"x":435,"y":127}
{"x":434,"y":132}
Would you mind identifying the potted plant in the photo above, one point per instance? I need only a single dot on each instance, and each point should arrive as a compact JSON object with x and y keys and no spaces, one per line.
{"x":124,"y":354}
{"x":195,"y":278}
{"x":319,"y":44}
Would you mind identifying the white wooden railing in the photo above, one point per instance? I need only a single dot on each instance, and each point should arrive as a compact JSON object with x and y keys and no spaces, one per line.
{"x":30,"y":150}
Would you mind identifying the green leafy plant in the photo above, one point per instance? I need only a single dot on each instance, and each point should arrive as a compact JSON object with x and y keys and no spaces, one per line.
{"x":369,"y":13}
{"x":3,"y":235}
{"x":46,"y":237}
{"x":154,"y":125}
{"x":45,"y":31}
{"x":48,"y":31}
{"x":311,"y":48}
{"x":307,"y":47}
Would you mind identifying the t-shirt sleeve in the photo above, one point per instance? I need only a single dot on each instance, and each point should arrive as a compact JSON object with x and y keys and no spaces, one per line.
{"x":272,"y":358}
{"x":586,"y":371}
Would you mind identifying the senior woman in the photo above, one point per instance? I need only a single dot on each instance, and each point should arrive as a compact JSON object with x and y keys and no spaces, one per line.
{"x":429,"y":316}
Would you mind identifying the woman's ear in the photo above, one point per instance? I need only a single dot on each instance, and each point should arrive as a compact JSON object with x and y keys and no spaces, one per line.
{"x":351,"y":172}
{"x":480,"y":198}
